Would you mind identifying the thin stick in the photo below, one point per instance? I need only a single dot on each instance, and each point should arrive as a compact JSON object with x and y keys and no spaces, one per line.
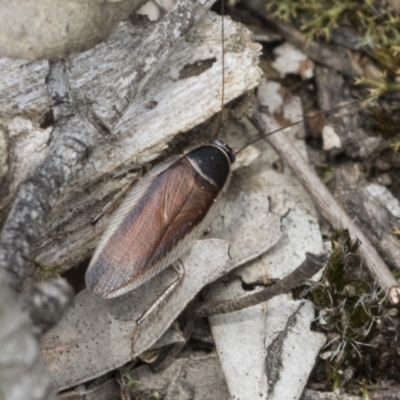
{"x":326,"y":203}
{"x":311,"y":265}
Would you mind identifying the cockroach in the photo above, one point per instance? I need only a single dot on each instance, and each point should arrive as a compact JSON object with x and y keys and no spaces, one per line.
{"x":160,"y":219}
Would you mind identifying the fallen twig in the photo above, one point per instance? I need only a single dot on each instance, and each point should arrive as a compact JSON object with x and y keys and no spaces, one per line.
{"x":311,"y":265}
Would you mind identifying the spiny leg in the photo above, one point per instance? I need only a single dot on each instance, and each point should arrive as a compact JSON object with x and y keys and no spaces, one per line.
{"x":180,"y":271}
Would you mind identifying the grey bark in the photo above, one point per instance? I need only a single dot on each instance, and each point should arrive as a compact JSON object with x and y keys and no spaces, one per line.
{"x":73,"y":138}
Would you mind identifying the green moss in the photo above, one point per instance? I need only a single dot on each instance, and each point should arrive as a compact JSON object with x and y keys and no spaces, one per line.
{"x":125,"y":377}
{"x":377,"y":87}
{"x":349,"y":304}
{"x":321,"y":16}
{"x":396,"y":232}
{"x":364,"y":390}
{"x":384,"y":119}
{"x":324,"y":16}
{"x":396,"y":147}
{"x":378,"y":27}
{"x":46,"y":270}
{"x":284,"y":10}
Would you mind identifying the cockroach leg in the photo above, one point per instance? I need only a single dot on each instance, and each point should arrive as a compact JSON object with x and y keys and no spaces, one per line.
{"x":112,"y":202}
{"x":180,"y":271}
{"x":136,"y":168}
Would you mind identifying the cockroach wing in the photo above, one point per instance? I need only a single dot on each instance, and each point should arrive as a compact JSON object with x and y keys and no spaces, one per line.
{"x":154,"y":226}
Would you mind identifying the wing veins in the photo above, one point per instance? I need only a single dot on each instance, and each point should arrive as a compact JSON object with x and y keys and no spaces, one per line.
{"x":168,"y":225}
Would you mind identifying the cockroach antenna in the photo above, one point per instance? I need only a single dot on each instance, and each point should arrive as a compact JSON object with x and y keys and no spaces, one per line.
{"x":219,"y":124}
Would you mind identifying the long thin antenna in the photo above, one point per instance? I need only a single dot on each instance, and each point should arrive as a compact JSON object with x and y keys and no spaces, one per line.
{"x":325,"y":112}
{"x":223,"y":66}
